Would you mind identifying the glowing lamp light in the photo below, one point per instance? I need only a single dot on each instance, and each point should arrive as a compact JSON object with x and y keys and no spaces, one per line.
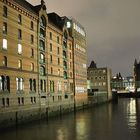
{"x":68,"y":24}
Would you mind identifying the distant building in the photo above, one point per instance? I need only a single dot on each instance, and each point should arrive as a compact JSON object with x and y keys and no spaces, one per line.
{"x":137,"y":74}
{"x":99,"y":80}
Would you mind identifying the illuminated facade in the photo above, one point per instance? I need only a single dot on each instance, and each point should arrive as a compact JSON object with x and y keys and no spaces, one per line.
{"x":80,"y":61}
{"x":42,"y":57}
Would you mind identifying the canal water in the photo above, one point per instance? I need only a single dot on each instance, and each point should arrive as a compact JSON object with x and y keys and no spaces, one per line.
{"x":113,"y":121}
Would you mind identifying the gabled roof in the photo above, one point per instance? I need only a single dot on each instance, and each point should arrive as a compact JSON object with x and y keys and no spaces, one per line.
{"x":56,"y":20}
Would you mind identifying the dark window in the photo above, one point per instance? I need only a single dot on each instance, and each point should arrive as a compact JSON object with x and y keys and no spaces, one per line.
{"x":44,"y":85}
{"x":19,"y":19}
{"x":58,"y":61}
{"x":43,"y":21}
{"x":30,"y":84}
{"x":7,"y":101}
{"x":19,"y":34}
{"x":58,"y":51}
{"x":57,"y":39}
{"x":8,"y":83}
{"x":4,"y":27}
{"x":50,"y":47}
{"x":51,"y":70}
{"x":31,"y":99}
{"x":51,"y":59}
{"x":4,"y":11}
{"x":34,"y":85}
{"x":51,"y":35}
{"x":41,"y":85}
{"x":32,"y":25}
{"x":34,"y":99}
{"x":3,"y":101}
{"x":18,"y":100}
{"x":22,"y":100}
{"x":32,"y":53}
{"x":70,"y":55}
{"x":32,"y":39}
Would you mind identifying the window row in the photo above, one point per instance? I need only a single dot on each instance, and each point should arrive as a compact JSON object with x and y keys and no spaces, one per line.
{"x":19,"y":63}
{"x":20,"y":101}
{"x":19,"y":18}
{"x":19,"y":47}
{"x":5,"y":84}
{"x":5,"y":30}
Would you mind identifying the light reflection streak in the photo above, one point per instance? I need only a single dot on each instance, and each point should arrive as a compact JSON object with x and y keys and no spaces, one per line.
{"x":131,"y":114}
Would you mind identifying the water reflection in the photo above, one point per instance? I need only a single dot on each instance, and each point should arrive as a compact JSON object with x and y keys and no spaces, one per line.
{"x":105,"y":122}
{"x":131,"y":114}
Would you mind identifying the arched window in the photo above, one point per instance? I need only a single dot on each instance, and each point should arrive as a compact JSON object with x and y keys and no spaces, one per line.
{"x":43,"y":21}
{"x":65,"y":35}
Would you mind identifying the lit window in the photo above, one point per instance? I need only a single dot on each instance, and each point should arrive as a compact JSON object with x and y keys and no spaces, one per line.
{"x":59,"y":72}
{"x":19,"y":83}
{"x":32,"y":67}
{"x":104,"y":83}
{"x":19,"y":49}
{"x":4,"y":46}
{"x":19,"y":64}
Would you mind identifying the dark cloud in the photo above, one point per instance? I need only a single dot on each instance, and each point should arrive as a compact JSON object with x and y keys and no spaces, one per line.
{"x":112,"y":26}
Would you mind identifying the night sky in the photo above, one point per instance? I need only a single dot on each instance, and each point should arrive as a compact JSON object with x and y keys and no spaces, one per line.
{"x":112,"y":27}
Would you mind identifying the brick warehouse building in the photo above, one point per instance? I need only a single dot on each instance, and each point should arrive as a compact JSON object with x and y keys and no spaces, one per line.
{"x":42,"y":60}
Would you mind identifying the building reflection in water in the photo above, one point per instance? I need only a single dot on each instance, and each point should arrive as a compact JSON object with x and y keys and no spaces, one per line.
{"x":132,"y":114}
{"x":81,"y":127}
